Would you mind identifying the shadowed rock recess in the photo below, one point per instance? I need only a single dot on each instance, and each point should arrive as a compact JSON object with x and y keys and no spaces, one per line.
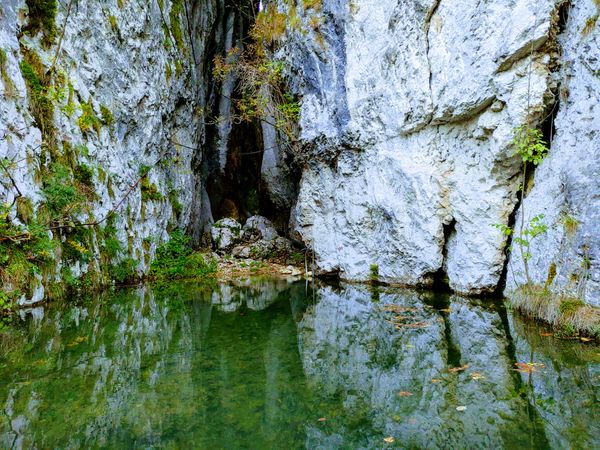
{"x":405,"y":157}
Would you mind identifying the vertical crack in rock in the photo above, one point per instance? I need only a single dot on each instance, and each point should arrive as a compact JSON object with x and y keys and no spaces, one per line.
{"x":440,"y":278}
{"x":546,"y":122}
{"x":427,"y":27}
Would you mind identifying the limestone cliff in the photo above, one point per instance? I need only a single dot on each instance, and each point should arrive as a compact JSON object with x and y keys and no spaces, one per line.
{"x":409,"y":111}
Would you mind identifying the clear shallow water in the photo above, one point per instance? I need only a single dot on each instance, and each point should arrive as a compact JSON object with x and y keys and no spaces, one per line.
{"x":273,"y":365}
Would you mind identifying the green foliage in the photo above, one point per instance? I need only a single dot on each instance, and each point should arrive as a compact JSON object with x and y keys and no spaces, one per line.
{"x":62,"y":198}
{"x":149,"y":190}
{"x":84,"y":174}
{"x":124,"y":272}
{"x":568,"y":307}
{"x":111,"y":246}
{"x":42,"y":18}
{"x":175,"y":203}
{"x":374,"y":273}
{"x":112,"y":20}
{"x":175,"y":22}
{"x":529,"y":145}
{"x":175,"y":259}
{"x":535,"y":228}
{"x":23,"y":251}
{"x":40,"y":103}
{"x":107,"y":116}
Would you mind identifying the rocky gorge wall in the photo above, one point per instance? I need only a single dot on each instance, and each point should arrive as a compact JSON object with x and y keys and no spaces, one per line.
{"x":85,"y":113}
{"x":409,"y":111}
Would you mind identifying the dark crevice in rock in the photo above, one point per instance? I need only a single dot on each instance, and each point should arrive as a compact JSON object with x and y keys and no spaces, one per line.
{"x":440,"y":277}
{"x":512,"y":219}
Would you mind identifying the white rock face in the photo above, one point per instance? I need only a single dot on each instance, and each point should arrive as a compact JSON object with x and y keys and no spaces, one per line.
{"x":566,"y":187}
{"x":225,"y":233}
{"x":408,"y":113}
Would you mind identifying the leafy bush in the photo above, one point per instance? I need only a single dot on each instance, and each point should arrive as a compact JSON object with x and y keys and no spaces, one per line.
{"x":61,"y":196}
{"x":123,"y":272}
{"x":175,"y":259}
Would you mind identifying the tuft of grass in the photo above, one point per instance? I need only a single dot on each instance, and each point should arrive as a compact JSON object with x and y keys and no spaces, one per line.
{"x":374,"y":273}
{"x":40,"y":103}
{"x":9,"y":87}
{"x":88,"y":120}
{"x":564,"y":313}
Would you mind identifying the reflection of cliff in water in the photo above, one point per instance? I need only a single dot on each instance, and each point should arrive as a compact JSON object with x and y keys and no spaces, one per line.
{"x":157,"y":368}
{"x":400,"y":380}
{"x":256,"y":365}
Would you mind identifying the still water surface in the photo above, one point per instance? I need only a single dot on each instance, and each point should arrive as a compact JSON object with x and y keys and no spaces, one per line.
{"x":269,"y":364}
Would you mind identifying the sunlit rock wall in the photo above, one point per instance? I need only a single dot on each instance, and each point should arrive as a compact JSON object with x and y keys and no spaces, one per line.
{"x":408,"y":113}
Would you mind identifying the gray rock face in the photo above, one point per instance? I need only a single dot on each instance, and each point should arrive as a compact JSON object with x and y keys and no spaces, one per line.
{"x":121,"y":60}
{"x":408,"y":114}
{"x":258,"y":227}
{"x":225,"y":234}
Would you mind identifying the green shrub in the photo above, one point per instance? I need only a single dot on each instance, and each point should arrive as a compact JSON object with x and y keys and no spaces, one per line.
{"x":124,"y":272}
{"x":62,"y":197}
{"x":175,"y":259}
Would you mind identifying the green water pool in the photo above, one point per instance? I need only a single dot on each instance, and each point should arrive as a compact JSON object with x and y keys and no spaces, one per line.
{"x":275,"y":365}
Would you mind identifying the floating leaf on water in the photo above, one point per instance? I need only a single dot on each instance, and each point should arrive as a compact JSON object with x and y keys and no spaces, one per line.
{"x":389,"y":439}
{"x":528,"y":367}
{"x":404,"y":394}
{"x":458,"y":369}
{"x":461,"y":408}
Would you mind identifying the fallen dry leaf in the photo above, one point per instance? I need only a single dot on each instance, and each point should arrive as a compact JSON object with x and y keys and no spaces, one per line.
{"x":584,"y":339}
{"x":461,"y":408}
{"x":546,"y":334}
{"x":322,"y":419}
{"x":477,"y":376}
{"x":389,"y":439}
{"x":404,"y":394}
{"x":436,"y":380}
{"x":528,"y":367}
{"x":458,"y":369}
{"x":446,"y":310}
